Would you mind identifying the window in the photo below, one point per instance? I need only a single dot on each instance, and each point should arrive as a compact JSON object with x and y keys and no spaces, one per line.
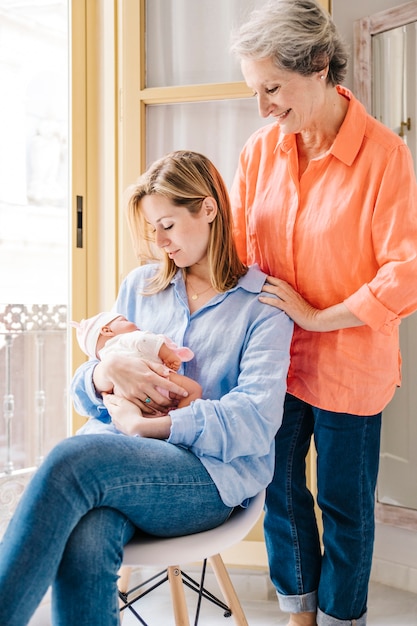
{"x":34,"y":228}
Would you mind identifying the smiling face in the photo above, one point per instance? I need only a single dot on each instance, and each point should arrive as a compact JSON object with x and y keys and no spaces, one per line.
{"x":183,"y":236}
{"x":295,"y":101}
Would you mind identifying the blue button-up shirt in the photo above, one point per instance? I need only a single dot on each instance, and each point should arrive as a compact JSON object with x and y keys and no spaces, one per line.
{"x":241,"y":349}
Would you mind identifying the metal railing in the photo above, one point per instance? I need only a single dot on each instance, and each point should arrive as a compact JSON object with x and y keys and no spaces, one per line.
{"x":33,"y":385}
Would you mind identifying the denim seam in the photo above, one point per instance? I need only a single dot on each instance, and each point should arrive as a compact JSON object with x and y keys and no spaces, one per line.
{"x":291,"y":515}
{"x":359,"y":578}
{"x":120,"y":543}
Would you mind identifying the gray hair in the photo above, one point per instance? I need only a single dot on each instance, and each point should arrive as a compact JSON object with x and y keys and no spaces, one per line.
{"x":298,"y":35}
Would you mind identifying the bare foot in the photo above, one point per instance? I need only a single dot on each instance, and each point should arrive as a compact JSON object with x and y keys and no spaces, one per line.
{"x":306,"y":618}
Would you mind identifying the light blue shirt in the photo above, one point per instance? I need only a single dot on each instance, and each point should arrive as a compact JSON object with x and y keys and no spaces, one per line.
{"x":241,"y":349}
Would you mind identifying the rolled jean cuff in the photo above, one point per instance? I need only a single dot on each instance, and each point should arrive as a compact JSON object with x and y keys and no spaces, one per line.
{"x":328,"y":620}
{"x":298,"y":604}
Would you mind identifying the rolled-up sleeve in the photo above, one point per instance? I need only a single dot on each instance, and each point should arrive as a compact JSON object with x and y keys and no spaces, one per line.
{"x":369,"y":310}
{"x":392,"y":292}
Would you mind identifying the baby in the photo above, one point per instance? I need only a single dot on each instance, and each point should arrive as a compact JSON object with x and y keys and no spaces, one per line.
{"x":110,"y":332}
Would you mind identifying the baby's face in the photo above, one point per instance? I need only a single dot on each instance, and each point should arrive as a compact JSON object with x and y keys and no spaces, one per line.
{"x":121,"y":325}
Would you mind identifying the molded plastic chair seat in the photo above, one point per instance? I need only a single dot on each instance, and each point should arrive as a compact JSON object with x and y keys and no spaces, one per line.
{"x":203,"y":546}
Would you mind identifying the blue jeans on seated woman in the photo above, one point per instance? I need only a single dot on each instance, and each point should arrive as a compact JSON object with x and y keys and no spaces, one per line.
{"x":335,"y":584}
{"x":80,"y":509}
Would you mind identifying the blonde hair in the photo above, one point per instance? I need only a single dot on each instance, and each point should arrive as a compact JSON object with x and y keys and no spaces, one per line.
{"x":299,"y":35}
{"x":185,"y":178}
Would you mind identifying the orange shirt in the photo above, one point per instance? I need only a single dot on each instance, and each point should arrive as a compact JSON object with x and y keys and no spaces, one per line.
{"x":345,"y":232}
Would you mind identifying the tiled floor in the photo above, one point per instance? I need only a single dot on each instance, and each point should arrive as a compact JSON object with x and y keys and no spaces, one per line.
{"x":387,"y":606}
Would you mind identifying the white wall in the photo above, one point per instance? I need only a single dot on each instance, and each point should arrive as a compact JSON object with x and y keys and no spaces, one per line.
{"x":395,"y":555}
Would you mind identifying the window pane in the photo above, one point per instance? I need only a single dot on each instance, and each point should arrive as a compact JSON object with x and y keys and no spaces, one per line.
{"x":218,"y":129}
{"x":188,"y":41}
{"x":34,"y":227}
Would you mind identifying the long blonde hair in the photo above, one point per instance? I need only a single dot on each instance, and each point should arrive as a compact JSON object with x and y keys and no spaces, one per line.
{"x":185,"y":178}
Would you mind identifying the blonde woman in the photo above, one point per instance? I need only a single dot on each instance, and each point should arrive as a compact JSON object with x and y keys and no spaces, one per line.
{"x":186,"y":470}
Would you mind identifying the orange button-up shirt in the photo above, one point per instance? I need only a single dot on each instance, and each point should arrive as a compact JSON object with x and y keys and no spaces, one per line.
{"x":346,"y":231}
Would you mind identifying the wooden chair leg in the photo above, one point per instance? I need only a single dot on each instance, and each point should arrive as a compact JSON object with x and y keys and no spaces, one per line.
{"x":228,"y":590}
{"x":123,"y":585}
{"x":178,"y":596}
{"x":124,"y":578}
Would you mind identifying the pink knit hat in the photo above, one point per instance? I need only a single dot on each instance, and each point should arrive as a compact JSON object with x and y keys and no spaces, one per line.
{"x":88,"y":331}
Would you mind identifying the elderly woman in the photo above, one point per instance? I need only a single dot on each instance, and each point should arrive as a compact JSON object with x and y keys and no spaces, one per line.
{"x":325,"y":201}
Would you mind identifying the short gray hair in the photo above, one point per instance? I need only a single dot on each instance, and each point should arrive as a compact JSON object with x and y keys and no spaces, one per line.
{"x":298,"y":35}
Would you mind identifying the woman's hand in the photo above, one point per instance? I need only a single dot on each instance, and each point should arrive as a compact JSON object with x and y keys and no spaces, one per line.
{"x":303,"y":313}
{"x":136,"y":380}
{"x":290,"y":301}
{"x":128,"y":418}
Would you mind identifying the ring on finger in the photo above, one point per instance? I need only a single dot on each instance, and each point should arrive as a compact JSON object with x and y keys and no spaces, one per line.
{"x":147,"y":400}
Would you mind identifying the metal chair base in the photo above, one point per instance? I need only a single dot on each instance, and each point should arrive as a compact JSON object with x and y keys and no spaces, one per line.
{"x":177,"y":578}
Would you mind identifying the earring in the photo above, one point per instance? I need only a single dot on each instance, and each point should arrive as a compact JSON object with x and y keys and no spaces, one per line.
{"x":322,"y":77}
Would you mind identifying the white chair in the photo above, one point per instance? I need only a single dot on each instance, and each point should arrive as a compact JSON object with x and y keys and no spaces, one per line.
{"x":204,"y":546}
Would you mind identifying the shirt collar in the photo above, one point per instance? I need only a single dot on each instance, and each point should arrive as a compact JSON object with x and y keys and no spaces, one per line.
{"x":253,"y":280}
{"x":351,"y":133}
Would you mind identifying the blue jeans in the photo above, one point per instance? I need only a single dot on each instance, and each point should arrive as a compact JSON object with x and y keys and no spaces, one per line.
{"x":79,"y":510}
{"x":334,"y":583}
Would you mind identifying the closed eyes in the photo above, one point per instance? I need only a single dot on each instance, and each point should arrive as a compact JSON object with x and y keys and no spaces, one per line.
{"x":153,"y":230}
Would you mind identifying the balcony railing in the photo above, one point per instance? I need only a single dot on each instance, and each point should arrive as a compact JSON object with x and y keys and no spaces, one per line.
{"x":33,"y":385}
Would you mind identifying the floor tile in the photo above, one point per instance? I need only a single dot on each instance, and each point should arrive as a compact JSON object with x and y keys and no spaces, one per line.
{"x":387,"y":606}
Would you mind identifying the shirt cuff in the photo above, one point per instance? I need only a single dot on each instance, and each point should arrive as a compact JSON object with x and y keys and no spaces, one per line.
{"x":184,"y":427}
{"x":90,"y":388}
{"x":369,"y":310}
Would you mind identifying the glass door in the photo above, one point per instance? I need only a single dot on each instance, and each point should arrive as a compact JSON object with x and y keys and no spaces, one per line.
{"x":34,"y":233}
